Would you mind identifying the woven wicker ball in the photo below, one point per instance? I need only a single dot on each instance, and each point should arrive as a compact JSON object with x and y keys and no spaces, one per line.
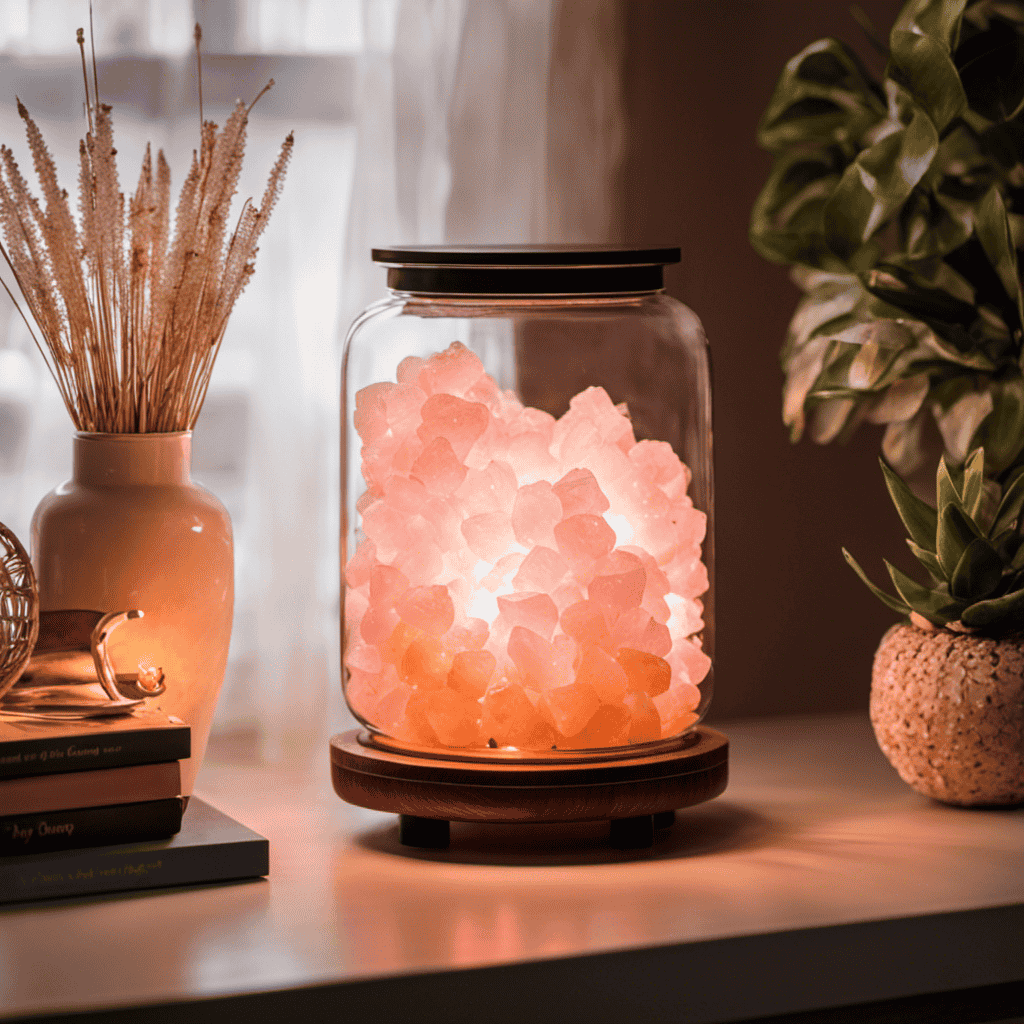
{"x":19,"y":609}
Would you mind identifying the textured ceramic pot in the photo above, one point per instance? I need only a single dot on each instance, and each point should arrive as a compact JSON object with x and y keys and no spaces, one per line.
{"x":131,"y":530}
{"x":948,"y":712}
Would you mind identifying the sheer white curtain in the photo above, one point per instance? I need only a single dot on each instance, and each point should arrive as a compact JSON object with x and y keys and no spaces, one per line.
{"x":415,"y":121}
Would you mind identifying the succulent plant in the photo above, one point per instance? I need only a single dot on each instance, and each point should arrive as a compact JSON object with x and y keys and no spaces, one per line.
{"x":971,"y":546}
{"x":900,"y":206}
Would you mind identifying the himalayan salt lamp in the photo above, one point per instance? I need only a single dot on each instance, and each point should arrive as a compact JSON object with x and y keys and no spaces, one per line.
{"x":521,"y":582}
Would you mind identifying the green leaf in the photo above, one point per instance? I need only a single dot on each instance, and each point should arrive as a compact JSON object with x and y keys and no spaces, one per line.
{"x":939,"y":19}
{"x":978,"y":572}
{"x":890,"y":602}
{"x":974,"y":482}
{"x":993,"y":228}
{"x":955,"y":532}
{"x":997,"y":613}
{"x":991,"y":67}
{"x":923,"y":66}
{"x":877,"y":184}
{"x":1009,"y":507}
{"x":1018,"y":559}
{"x":935,"y":606}
{"x":946,"y":488}
{"x":928,"y":559}
{"x":1002,"y":431}
{"x":917,"y":516}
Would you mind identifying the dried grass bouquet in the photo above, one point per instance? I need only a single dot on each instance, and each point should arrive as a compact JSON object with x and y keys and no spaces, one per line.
{"x":132,"y":314}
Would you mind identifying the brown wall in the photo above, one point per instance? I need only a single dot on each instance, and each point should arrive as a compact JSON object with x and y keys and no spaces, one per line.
{"x":796,"y":630}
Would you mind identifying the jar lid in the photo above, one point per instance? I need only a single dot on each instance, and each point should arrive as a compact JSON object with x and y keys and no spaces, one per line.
{"x":525,"y":269}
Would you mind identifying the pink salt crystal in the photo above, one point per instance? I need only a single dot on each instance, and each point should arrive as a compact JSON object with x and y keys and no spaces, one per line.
{"x":452,"y":371}
{"x":583,"y":539}
{"x":446,"y":521}
{"x":386,"y":527}
{"x":471,"y":672}
{"x":365,"y":690}
{"x":489,"y":536}
{"x":377,"y":625}
{"x":370,"y":415}
{"x":566,"y":595}
{"x":459,"y":421}
{"x":491,"y":489}
{"x":469,"y":635}
{"x":530,"y":456}
{"x":393,"y":649}
{"x":409,"y":369}
{"x":619,"y":582}
{"x":644,"y":721}
{"x":585,"y":622}
{"x":609,"y":727}
{"x":427,"y":608}
{"x":605,"y":675}
{"x":363,"y":657}
{"x":404,"y":494}
{"x":438,"y":468}
{"x":534,"y":657}
{"x":578,"y":491}
{"x":509,"y":717}
{"x":571,"y":707}
{"x":357,"y":572}
{"x":387,"y":585}
{"x":391,"y":708}
{"x":645,"y":672}
{"x":425,"y":663}
{"x":537,"y":612}
{"x":690,"y":661}
{"x":691,"y":524}
{"x":366,"y":499}
{"x":402,"y":404}
{"x":660,"y":464}
{"x":689,"y":578}
{"x":581,"y":439}
{"x":686,"y":617}
{"x":655,"y":639}
{"x":485,"y":391}
{"x":541,"y":570}
{"x":414,"y":726}
{"x":504,"y":569}
{"x":535,"y":513}
{"x":679,"y":697}
{"x":454,"y":717}
{"x":636,"y":629}
{"x":356,"y":603}
{"x":611,"y":468}
{"x":422,"y":561}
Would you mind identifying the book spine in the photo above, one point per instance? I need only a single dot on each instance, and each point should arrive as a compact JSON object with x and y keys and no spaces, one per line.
{"x":95,"y":751}
{"x":90,"y":826}
{"x":108,"y":869}
{"x":34,"y":794}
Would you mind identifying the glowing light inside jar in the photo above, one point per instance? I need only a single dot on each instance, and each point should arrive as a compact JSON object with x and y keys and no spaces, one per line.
{"x":521,"y":582}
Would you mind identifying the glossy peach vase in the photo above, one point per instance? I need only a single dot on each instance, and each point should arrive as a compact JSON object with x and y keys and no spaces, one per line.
{"x":130,"y":530}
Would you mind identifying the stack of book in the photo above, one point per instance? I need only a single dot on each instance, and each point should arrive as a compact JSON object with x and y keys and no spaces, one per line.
{"x":89,"y":807}
{"x":70,"y":784}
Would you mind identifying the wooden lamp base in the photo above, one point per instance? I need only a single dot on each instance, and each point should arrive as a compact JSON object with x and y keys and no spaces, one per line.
{"x":637,"y":789}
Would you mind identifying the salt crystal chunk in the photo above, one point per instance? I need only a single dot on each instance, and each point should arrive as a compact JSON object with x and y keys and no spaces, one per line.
{"x":541,"y":570}
{"x":503,"y":571}
{"x":581,"y":440}
{"x":438,"y":468}
{"x":628,"y":629}
{"x":583,"y":539}
{"x":535,"y":513}
{"x":365,"y":690}
{"x":537,"y":612}
{"x":390,"y":709}
{"x":530,"y":457}
{"x":610,"y":466}
{"x":409,"y":369}
{"x":679,"y":699}
{"x":425,"y":663}
{"x":609,"y":727}
{"x":394,"y":646}
{"x":469,"y":635}
{"x":688,"y":576}
{"x":484,"y":390}
{"x":404,"y":494}
{"x":427,"y":608}
{"x":357,"y":572}
{"x":370,"y":415}
{"x":453,"y":418}
{"x":691,"y":525}
{"x":452,"y":371}
{"x":534,"y":657}
{"x":471,"y":672}
{"x":386,"y":527}
{"x":387,"y":585}
{"x":454,"y":718}
{"x":655,"y":638}
{"x":355,"y":606}
{"x":689,"y":662}
{"x":363,"y":657}
{"x":585,"y":622}
{"x":446,"y":521}
{"x":660,"y":464}
{"x":618,"y":584}
{"x":510,"y":719}
{"x":644,"y":672}
{"x":377,"y":625}
{"x":686,"y":616}
{"x":489,"y":535}
{"x":491,"y":489}
{"x":644,"y":721}
{"x":367,"y":498}
{"x":604,"y":674}
{"x":414,"y":726}
{"x":578,"y":491}
{"x":566,"y":595}
{"x":422,"y":560}
{"x":402,"y":404}
{"x":571,"y":706}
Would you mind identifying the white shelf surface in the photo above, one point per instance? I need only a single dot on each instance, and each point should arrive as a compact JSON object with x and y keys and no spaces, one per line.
{"x":817,"y":880}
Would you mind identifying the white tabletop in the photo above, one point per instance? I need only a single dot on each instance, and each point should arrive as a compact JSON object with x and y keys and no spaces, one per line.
{"x":817,"y":880}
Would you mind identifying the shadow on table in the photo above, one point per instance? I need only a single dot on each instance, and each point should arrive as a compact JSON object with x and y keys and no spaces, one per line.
{"x":714,"y":828}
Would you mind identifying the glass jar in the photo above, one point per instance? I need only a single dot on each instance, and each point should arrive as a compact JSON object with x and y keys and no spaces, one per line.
{"x":527,"y":502}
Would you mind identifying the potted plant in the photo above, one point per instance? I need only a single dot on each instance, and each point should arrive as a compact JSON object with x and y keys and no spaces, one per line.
{"x":947,"y":686}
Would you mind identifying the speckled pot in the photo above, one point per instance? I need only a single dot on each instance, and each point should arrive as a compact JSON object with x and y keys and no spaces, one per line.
{"x":948,"y":712}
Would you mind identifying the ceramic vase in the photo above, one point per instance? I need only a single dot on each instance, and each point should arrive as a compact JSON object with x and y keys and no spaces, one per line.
{"x":131,"y":530}
{"x":948,"y":712}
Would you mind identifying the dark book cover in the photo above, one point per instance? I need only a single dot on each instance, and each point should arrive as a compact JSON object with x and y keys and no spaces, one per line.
{"x":211,"y":847}
{"x":21,"y":835}
{"x":34,"y":747}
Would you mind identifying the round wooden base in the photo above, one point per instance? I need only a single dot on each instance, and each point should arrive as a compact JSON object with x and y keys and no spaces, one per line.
{"x":637,"y":790}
